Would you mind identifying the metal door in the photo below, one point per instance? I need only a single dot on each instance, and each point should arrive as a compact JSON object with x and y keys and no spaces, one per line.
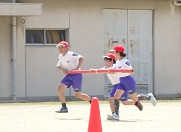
{"x":115,"y":28}
{"x":133,"y":30}
{"x":140,"y":46}
{"x":115,"y":32}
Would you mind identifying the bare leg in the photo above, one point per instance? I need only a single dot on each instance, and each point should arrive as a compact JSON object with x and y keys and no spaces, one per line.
{"x":118,"y":93}
{"x":111,"y":103}
{"x":61,"y":95}
{"x":82,"y":96}
{"x":137,"y":103}
{"x":134,"y":97}
{"x":140,"y":97}
{"x":129,"y":102}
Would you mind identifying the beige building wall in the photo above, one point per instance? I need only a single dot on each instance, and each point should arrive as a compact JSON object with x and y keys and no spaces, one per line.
{"x":5,"y":57}
{"x":167,"y":41}
{"x":86,"y":37}
{"x":83,"y":39}
{"x":167,"y":57}
{"x":84,"y":19}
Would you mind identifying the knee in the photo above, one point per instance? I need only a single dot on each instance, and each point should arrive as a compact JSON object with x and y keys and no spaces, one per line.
{"x":111,"y":99}
{"x":59,"y":88}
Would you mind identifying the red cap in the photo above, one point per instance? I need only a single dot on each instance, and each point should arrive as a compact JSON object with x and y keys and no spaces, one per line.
{"x":118,"y":48}
{"x":63,"y":43}
{"x":109,"y":55}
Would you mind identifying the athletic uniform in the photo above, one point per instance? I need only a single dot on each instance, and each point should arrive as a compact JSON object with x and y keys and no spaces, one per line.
{"x":114,"y":78}
{"x":127,"y":82}
{"x":69,"y":62}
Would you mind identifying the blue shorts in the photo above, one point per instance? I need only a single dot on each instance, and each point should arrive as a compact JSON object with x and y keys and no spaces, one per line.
{"x":124,"y":97}
{"x":74,"y":80}
{"x":127,"y":84}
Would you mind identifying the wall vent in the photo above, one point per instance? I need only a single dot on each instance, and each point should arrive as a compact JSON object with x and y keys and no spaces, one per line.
{"x":177,"y":2}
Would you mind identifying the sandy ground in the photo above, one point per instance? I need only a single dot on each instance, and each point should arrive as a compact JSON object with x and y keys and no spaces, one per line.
{"x":41,"y":117}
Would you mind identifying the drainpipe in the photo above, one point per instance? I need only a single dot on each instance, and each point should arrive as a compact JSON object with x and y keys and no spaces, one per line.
{"x":13,"y":24}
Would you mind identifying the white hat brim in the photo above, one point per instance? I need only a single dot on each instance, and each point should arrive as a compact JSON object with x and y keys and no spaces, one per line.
{"x":60,"y":45}
{"x":112,"y":50}
{"x":105,"y":56}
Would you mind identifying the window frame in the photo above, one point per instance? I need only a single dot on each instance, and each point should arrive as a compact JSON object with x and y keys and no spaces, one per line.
{"x":44,"y":33}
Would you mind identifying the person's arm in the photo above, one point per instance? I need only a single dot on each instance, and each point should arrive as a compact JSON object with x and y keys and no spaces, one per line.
{"x":61,"y":69}
{"x":80,"y":63}
{"x":97,"y":70}
{"x":128,"y":66}
{"x":111,"y":68}
{"x":109,"y":72}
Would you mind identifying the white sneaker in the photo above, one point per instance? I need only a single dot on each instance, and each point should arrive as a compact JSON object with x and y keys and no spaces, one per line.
{"x":152,"y":100}
{"x":115,"y":116}
{"x":109,"y":117}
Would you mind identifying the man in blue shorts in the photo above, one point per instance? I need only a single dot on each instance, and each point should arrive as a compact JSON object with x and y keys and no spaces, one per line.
{"x":68,"y":61}
{"x":109,"y":60}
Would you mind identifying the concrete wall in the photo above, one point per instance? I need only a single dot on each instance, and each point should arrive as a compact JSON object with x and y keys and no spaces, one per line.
{"x":167,"y":41}
{"x":70,"y":15}
{"x":84,"y":19}
{"x":167,"y":57}
{"x":86,"y":36}
{"x":5,"y":57}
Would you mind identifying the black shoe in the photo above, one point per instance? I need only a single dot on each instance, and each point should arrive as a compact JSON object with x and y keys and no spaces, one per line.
{"x":139,"y":105}
{"x":62,"y":110}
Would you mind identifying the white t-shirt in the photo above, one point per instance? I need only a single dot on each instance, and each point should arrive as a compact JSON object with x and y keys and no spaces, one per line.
{"x":69,"y":61}
{"x":114,"y":78}
{"x":123,"y":64}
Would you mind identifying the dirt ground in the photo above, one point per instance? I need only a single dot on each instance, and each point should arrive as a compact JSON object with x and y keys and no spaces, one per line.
{"x":41,"y":117}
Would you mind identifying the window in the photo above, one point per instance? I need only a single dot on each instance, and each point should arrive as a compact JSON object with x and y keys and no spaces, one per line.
{"x":35,"y":36}
{"x":44,"y":37}
{"x":54,"y":36}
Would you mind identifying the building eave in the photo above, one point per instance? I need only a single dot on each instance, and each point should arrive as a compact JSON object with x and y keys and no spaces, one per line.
{"x":21,"y":9}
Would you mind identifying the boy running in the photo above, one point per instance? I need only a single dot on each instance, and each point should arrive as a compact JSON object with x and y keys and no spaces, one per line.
{"x":68,"y":61}
{"x":114,"y":78}
{"x":127,"y":82}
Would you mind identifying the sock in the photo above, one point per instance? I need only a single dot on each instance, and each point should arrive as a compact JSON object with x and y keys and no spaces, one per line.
{"x":90,"y":100}
{"x":143,"y":97}
{"x":116,"y":106}
{"x":64,"y":105}
{"x":137,"y":103}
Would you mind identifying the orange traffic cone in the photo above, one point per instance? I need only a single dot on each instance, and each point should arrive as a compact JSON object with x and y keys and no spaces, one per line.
{"x":95,"y":119}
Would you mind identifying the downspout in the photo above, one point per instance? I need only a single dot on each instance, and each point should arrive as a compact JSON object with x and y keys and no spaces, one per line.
{"x":13,"y":26}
